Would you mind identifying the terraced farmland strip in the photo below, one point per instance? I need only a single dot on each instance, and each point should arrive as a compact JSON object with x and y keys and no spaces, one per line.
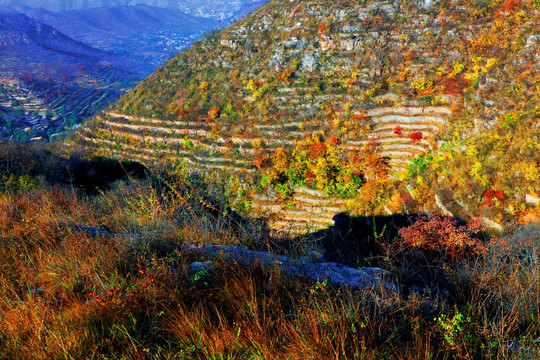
{"x":386,"y":142}
{"x":164,"y":130}
{"x":401,"y":119}
{"x":303,"y":217}
{"x":408,"y":127}
{"x":308,"y":209}
{"x":189,"y":156}
{"x":297,"y":228}
{"x":383,"y":134}
{"x":409,"y":111}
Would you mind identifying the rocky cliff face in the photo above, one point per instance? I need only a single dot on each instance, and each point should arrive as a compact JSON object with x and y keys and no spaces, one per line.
{"x":371,"y":107}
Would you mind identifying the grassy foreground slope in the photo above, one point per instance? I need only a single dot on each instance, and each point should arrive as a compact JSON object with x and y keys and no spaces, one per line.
{"x":398,"y":106}
{"x":102,"y":275}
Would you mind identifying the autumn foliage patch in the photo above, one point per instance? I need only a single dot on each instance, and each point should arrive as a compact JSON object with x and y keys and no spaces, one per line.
{"x":286,"y":76}
{"x":322,"y":29}
{"x":493,"y":197}
{"x":416,"y":136}
{"x":182,"y":113}
{"x":437,"y":236}
{"x":509,"y":5}
{"x":317,"y":149}
{"x":323,"y":165}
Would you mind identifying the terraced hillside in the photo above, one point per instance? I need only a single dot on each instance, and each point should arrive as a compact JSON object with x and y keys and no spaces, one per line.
{"x":49,"y":81}
{"x":370,"y":107}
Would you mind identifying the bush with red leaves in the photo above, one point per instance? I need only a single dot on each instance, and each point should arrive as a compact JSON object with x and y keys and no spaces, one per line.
{"x":509,"y":5}
{"x":261,"y":160}
{"x":310,"y":177}
{"x":441,"y":237}
{"x":359,"y":117}
{"x":494,"y":197}
{"x":286,"y":76}
{"x":182,"y":113}
{"x":416,"y":136}
{"x":335,"y":141}
{"x":411,"y":55}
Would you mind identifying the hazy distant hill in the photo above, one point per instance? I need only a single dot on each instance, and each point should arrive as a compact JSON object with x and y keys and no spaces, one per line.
{"x":217,"y":9}
{"x":145,"y":35}
{"x":29,"y":46}
{"x":49,"y":80}
{"x":69,"y":64}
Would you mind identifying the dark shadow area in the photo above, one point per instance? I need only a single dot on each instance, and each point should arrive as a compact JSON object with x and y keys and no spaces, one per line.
{"x":24,"y":165}
{"x":352,"y":241}
{"x":356,"y":240}
{"x":374,"y":241}
{"x":101,"y":173}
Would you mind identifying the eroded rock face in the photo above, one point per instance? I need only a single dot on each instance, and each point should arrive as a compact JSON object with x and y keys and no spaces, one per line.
{"x":313,"y":267}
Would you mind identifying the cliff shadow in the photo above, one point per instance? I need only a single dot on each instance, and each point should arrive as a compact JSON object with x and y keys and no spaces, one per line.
{"x":358,"y":240}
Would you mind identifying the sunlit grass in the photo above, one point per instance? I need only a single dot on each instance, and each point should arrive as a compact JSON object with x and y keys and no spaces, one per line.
{"x":129,"y":292}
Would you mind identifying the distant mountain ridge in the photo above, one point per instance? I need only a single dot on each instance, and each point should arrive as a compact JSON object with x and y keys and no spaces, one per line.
{"x":127,"y":18}
{"x":138,"y":33}
{"x":31,"y":47}
{"x":49,"y":80}
{"x":67,"y":65}
{"x":216,"y":9}
{"x":145,"y":35}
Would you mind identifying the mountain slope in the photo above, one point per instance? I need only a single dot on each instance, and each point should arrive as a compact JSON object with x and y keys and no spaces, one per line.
{"x":321,"y":95}
{"x":216,"y":9}
{"x":28,"y":46}
{"x":144,"y":35}
{"x":48,"y":78}
{"x":20,"y":34}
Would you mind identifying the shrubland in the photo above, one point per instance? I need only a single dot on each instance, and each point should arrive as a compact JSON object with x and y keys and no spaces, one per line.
{"x":411,"y":107}
{"x":445,"y":92}
{"x":101,"y":273}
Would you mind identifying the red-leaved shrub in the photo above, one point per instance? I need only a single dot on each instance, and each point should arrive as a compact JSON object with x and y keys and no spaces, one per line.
{"x":416,"y":136}
{"x":494,"y":197}
{"x":317,"y":149}
{"x":442,"y":236}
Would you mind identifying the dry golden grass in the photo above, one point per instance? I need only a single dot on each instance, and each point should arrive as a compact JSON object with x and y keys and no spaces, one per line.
{"x":65,"y":294}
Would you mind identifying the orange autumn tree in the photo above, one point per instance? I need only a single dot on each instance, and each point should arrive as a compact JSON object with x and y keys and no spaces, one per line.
{"x":321,"y":164}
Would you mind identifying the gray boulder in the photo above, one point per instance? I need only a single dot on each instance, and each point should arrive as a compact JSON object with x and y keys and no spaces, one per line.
{"x":334,"y":273}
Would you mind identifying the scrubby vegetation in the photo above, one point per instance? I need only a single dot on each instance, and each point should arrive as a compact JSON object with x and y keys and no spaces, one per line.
{"x":445,"y":91}
{"x":103,"y":275}
{"x":375,"y":109}
{"x":323,"y":166}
